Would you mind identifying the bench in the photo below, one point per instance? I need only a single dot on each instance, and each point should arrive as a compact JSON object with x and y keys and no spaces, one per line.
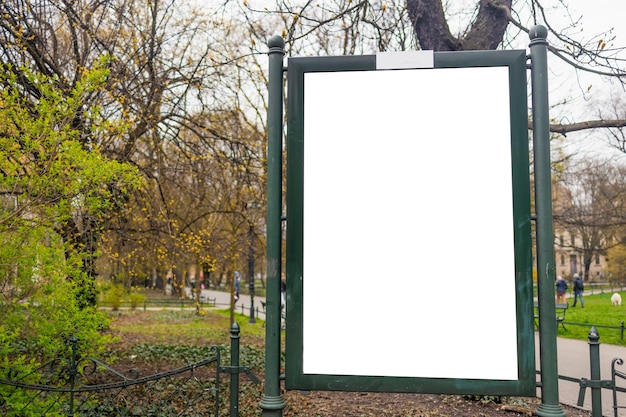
{"x":207,"y":300}
{"x":560,"y":309}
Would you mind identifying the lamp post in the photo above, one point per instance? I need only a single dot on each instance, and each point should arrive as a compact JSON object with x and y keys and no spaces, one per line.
{"x":251,"y":236}
{"x":251,"y":271}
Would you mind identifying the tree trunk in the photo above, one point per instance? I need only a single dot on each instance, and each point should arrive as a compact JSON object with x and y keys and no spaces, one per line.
{"x":432,"y":31}
{"x":587,"y":265}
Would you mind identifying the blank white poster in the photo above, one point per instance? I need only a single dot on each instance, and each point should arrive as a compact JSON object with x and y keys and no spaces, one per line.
{"x":408,"y":250}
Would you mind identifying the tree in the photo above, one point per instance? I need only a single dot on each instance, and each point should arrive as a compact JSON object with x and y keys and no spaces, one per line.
{"x":367,"y":26}
{"x":617,"y":261}
{"x":433,"y":33}
{"x":167,"y":79}
{"x":589,"y":202}
{"x":50,"y":181}
{"x":51,"y":174}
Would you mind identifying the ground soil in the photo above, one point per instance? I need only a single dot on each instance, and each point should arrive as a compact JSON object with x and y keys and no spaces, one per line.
{"x":411,"y":405}
{"x":346,"y":404}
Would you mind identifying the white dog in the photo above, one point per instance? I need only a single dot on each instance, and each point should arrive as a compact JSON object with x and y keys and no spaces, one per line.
{"x":616,"y":299}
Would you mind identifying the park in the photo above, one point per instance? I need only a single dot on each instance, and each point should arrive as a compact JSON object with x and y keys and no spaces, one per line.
{"x":144,"y":169}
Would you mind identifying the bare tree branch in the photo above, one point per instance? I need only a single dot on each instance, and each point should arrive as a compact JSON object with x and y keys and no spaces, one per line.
{"x":588,"y":124}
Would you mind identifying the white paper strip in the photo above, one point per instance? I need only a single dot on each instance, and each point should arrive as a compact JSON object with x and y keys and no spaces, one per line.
{"x":405,"y":60}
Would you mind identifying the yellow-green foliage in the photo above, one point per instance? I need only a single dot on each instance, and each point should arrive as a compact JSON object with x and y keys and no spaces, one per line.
{"x":51,"y":176}
{"x":136,"y":297}
{"x":114,"y":296}
{"x":617,"y":266}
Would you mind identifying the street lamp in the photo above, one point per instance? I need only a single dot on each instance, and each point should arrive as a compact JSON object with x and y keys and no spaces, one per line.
{"x":251,"y":272}
{"x":251,"y":205}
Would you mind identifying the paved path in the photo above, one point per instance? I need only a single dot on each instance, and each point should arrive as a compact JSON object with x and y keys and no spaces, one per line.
{"x":222,"y":299}
{"x":573,"y":361}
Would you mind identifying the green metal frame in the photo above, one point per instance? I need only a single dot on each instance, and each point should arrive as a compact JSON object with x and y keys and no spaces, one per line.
{"x":294,"y":376}
{"x":550,"y":406}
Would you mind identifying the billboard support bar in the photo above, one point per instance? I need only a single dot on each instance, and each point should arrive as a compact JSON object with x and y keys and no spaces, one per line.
{"x":550,"y":406}
{"x":272,"y":402}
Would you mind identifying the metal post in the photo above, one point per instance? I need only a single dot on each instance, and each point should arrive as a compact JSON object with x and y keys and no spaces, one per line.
{"x":594,"y":361}
{"x":251,"y":273}
{"x":614,"y":373}
{"x":234,"y":375}
{"x":545,"y":235}
{"x":73,"y":371}
{"x":272,"y":402}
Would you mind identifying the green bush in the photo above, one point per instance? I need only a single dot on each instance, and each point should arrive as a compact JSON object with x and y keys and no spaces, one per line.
{"x":53,"y":181}
{"x":136,"y":297}
{"x":114,"y":296}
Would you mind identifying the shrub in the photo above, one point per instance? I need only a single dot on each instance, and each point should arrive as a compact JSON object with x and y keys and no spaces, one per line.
{"x":136,"y":297}
{"x":114,"y":296}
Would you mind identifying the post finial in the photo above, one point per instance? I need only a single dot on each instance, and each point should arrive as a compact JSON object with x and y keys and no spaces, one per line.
{"x":538,"y":32}
{"x":276,"y":42}
{"x":593,"y":335}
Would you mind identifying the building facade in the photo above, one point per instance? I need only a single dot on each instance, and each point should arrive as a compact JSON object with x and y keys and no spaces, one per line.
{"x":568,"y":258}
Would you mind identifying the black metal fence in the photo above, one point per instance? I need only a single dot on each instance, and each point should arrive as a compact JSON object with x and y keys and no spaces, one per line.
{"x":621,"y":327}
{"x":77,"y":386}
{"x":171,"y":302}
{"x":615,"y":376}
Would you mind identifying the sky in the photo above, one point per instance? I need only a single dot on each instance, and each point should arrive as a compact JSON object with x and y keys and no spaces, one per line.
{"x":589,"y":93}
{"x":585,"y":93}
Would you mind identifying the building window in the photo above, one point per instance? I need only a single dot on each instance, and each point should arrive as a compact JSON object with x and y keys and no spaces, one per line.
{"x":597,"y":259}
{"x":573,"y":240}
{"x":562,"y":259}
{"x":573,"y":264}
{"x":561,"y":240}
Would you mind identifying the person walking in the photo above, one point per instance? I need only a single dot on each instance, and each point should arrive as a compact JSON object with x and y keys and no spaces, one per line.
{"x":579,"y":287}
{"x":237,"y":285}
{"x":561,"y":288}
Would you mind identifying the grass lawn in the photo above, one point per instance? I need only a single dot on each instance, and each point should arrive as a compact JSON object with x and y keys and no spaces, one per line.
{"x":599,"y":312}
{"x":176,"y":326}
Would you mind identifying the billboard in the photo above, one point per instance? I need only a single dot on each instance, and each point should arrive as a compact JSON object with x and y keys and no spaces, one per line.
{"x":408,"y":224}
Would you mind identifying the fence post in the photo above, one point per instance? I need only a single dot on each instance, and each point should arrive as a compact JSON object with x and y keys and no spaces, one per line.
{"x":594,"y":360}
{"x":234,"y":376}
{"x":621,"y":329}
{"x":73,"y":371}
{"x":614,"y":373}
